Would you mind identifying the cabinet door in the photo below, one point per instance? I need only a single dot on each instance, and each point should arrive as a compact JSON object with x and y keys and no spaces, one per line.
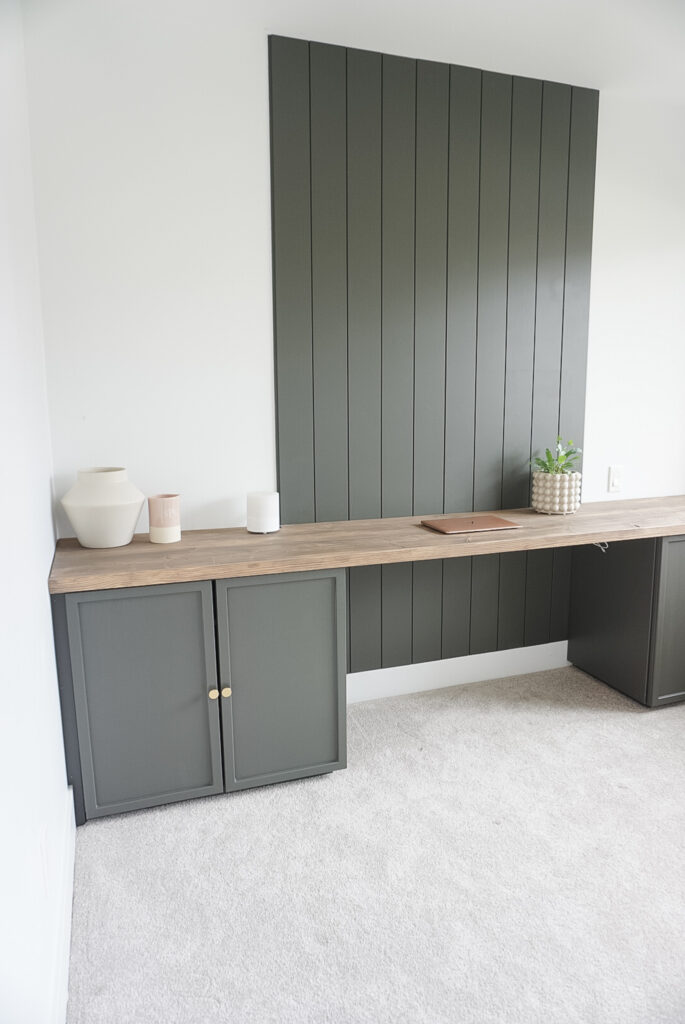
{"x":143,"y":662}
{"x":282,"y":646}
{"x":667,"y":682}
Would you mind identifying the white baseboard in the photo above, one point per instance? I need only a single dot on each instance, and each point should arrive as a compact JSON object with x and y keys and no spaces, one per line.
{"x":433,"y":675}
{"x":62,"y":942}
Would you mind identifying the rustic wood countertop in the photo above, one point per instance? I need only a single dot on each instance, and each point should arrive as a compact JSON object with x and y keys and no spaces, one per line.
{"x":219,"y":554}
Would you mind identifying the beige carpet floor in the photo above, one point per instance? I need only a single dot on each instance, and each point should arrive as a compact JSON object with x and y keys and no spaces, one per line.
{"x":510,"y":851}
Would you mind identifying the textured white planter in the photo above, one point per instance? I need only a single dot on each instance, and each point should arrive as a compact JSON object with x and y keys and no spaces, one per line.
{"x":557,"y":494}
{"x":103,"y":507}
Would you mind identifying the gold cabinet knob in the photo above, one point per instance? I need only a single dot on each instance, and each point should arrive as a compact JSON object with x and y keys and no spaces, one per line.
{"x":226,"y":692}
{"x":213,"y":694}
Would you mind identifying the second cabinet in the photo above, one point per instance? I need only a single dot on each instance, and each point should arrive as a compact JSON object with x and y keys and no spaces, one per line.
{"x":626,"y":617}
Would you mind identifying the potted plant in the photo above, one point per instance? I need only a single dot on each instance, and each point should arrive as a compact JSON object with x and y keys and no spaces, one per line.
{"x":556,"y":482}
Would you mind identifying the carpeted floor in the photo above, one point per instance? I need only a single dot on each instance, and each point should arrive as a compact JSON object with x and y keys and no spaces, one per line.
{"x":510,"y":852}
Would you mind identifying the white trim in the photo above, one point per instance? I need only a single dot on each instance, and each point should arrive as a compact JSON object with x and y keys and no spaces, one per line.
{"x":59,"y":984}
{"x":433,"y":675}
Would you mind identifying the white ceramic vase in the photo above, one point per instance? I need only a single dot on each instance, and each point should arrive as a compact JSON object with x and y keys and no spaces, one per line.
{"x":556,"y":494}
{"x":103,"y":507}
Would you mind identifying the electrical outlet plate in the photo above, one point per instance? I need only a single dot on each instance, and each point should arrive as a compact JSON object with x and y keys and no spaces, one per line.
{"x":615,"y":481}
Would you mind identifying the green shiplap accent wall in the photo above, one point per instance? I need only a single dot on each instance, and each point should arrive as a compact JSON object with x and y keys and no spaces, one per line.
{"x":432,"y":230}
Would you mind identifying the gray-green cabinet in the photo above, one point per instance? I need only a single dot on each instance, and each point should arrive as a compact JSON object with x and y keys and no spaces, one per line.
{"x":282,"y":653}
{"x":626,"y":617}
{"x":148,"y":718}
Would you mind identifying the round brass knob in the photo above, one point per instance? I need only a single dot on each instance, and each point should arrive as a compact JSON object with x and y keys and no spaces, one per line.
{"x":226,"y":692}
{"x":213,"y":694}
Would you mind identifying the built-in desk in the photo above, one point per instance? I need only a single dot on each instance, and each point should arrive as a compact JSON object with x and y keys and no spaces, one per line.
{"x":218,"y":663}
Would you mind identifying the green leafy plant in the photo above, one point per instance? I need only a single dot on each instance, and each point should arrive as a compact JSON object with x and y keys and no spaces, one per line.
{"x":563,"y":460}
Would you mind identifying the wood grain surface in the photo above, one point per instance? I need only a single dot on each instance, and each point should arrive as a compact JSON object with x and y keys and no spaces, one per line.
{"x":220,"y":554}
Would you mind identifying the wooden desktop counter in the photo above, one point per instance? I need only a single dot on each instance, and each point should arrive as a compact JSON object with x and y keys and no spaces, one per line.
{"x":228,"y":553}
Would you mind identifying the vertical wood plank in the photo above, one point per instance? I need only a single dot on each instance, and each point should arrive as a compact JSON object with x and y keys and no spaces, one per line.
{"x":456,"y":607}
{"x":432,"y":125}
{"x":491,"y":342}
{"x":511,"y":601}
{"x":484,"y":601}
{"x":364,"y":280}
{"x":522,"y":278}
{"x":432,"y":122}
{"x":328,"y":92}
{"x":398,"y":221}
{"x":518,"y":393}
{"x":460,"y":363}
{"x":427,"y":614}
{"x":556,"y":109}
{"x":561,"y":594}
{"x":292,"y":272}
{"x":365,"y":618}
{"x":539,"y":570}
{"x":581,"y":190}
{"x":364,"y":162}
{"x":397,"y":614}
{"x":399,"y":144}
{"x":462,"y":286}
{"x":492,"y":289}
{"x":554,"y":153}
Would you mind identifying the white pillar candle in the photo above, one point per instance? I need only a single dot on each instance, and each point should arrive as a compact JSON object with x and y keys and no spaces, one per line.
{"x":263,"y":512}
{"x":165,"y":518}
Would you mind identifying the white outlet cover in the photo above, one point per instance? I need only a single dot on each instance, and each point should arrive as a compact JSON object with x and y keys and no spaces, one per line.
{"x":615,"y":479}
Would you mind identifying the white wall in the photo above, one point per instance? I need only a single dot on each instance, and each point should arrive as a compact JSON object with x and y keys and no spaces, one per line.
{"x":36,"y":810}
{"x":150,"y":132}
{"x":636,"y":359}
